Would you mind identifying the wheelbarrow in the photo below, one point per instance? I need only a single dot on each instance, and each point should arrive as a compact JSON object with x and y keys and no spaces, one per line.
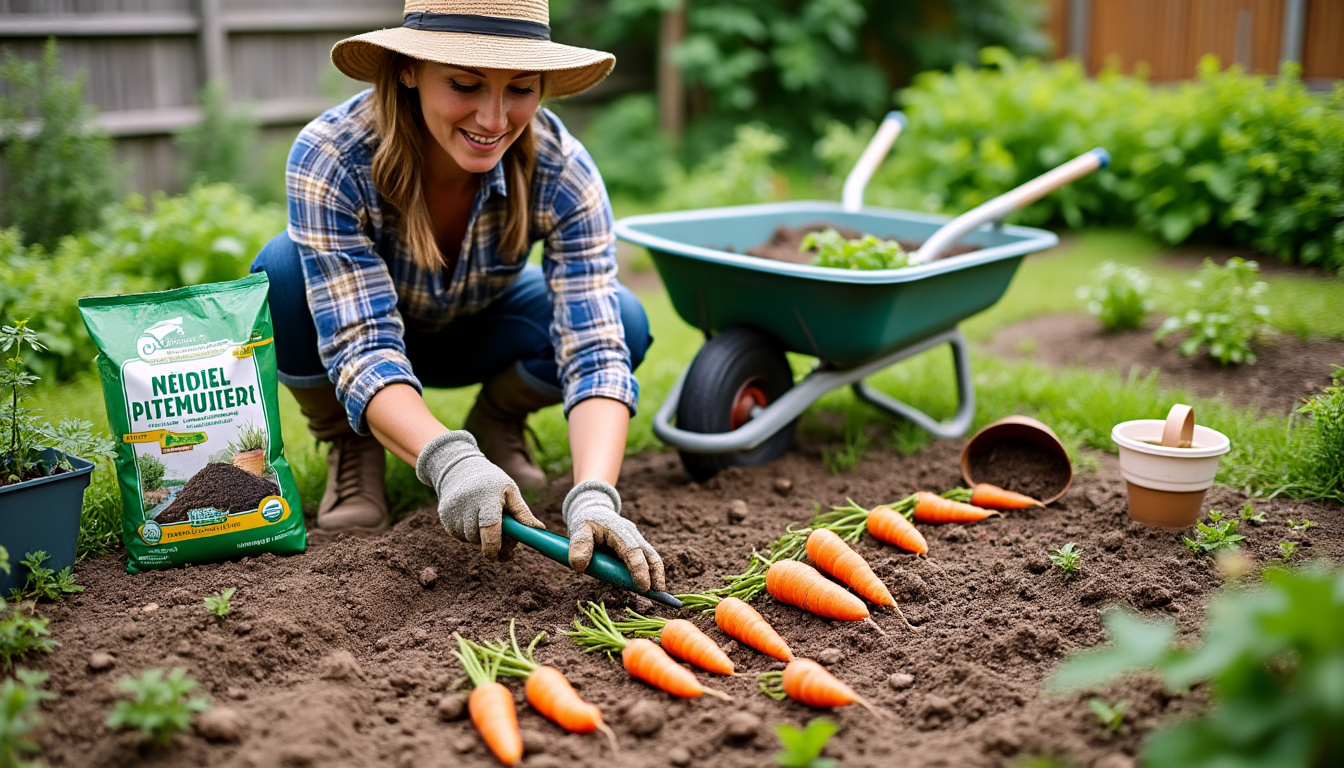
{"x":737,"y":403}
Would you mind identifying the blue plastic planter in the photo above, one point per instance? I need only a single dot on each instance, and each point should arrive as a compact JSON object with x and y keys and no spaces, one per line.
{"x":42,"y":514}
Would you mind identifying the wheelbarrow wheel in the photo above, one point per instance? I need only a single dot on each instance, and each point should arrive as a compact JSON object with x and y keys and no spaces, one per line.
{"x":736,"y":372}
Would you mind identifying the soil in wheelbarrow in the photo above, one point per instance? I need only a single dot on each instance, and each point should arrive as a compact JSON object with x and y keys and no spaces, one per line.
{"x":342,"y":656}
{"x":785,"y":243}
{"x":1287,"y":369}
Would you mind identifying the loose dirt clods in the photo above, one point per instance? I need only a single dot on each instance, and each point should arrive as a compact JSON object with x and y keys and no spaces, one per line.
{"x":221,"y":486}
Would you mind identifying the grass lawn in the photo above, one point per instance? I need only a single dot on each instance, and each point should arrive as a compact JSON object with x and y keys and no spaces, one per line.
{"x":1081,"y":405}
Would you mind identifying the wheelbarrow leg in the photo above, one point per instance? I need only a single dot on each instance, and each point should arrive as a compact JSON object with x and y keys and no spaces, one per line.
{"x":960,"y":422}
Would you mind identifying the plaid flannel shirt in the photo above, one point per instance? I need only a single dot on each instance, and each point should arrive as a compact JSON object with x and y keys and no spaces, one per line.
{"x":363,"y":285}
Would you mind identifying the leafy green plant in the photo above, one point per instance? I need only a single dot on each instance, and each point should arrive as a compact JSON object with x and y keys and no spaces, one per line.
{"x":56,"y":162}
{"x":1249,"y":515}
{"x":1300,"y":525}
{"x":44,"y":583}
{"x":1287,"y":549}
{"x":1111,"y":716}
{"x":218,"y":603}
{"x":802,"y":747}
{"x":1217,"y":534}
{"x":1222,"y":310}
{"x":19,"y":698}
{"x":1272,"y":657}
{"x":635,"y":158}
{"x":1066,"y":558}
{"x":219,"y":149}
{"x":158,"y":705}
{"x":867,"y":252}
{"x":23,"y":435}
{"x":742,"y":172}
{"x":1120,"y":296}
{"x":22,"y":632}
{"x":151,"y":471}
{"x":1326,"y":413}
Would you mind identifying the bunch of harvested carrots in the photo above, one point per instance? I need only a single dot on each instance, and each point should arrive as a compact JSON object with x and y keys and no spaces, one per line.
{"x":780,"y":571}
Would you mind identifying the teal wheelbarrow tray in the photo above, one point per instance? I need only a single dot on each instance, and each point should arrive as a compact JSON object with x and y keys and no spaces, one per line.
{"x":737,"y":403}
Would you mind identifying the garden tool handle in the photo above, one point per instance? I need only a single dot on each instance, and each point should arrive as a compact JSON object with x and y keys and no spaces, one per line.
{"x":878,"y":146}
{"x":602,"y":566}
{"x":1008,"y":202}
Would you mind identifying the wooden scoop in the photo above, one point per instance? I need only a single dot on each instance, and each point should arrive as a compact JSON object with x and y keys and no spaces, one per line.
{"x":1179,"y":431}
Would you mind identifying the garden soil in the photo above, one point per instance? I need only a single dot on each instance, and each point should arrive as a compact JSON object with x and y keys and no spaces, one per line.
{"x":342,"y":656}
{"x":1288,"y":368}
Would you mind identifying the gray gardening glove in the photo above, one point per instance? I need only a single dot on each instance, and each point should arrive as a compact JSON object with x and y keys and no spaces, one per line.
{"x":473,"y":493}
{"x":592,"y":514}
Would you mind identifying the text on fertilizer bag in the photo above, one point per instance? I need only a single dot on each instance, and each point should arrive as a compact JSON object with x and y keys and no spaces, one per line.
{"x":174,"y":395}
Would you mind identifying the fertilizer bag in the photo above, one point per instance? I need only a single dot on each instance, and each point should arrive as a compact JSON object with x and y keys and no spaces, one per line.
{"x":189,"y":380}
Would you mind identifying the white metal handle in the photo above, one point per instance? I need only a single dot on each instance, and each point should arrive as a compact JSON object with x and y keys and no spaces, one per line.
{"x":878,"y":146}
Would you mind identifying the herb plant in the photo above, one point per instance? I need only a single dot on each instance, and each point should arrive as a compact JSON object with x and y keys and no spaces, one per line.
{"x":1287,"y":549}
{"x":1217,"y":534}
{"x":19,"y":698}
{"x":802,"y":747}
{"x":218,"y":603}
{"x":1222,"y":311}
{"x":44,"y":583}
{"x":1299,"y":525}
{"x":1326,"y":411}
{"x":1111,"y":716}
{"x":1120,"y":296}
{"x":250,"y":438}
{"x":1272,"y":658}
{"x":1066,"y":557}
{"x":23,"y":435}
{"x":158,"y":705}
{"x":21,"y":633}
{"x":867,"y":252}
{"x":1249,"y":515}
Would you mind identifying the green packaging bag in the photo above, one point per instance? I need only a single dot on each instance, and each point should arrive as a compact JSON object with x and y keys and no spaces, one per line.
{"x":189,"y":380}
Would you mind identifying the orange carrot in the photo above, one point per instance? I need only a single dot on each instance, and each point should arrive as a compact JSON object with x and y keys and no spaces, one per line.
{"x":795,"y":583}
{"x":807,"y":682}
{"x":992,"y":497}
{"x":744,"y":623}
{"x":547,"y":689}
{"x":886,"y":524}
{"x":491,"y":707}
{"x":680,"y":638}
{"x":835,"y":557}
{"x":642,"y":658}
{"x":932,"y":508}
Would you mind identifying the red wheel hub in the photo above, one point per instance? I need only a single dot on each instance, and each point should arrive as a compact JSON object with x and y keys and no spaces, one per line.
{"x":750,"y":397}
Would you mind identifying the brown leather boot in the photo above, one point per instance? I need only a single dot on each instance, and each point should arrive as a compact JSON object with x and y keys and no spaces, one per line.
{"x":497,"y":420}
{"x":354,"y":498}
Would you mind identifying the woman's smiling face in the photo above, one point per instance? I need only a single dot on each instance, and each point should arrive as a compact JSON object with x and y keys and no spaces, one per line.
{"x":474,"y":115}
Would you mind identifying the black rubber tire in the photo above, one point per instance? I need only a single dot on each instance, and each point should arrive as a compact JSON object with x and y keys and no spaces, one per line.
{"x":726,"y":364}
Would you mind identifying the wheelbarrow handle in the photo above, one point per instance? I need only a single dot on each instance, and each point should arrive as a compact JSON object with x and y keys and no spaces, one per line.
{"x":1008,"y":202}
{"x":603,"y":566}
{"x":878,"y":146}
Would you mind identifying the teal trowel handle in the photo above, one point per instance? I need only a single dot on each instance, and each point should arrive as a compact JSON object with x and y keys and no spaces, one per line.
{"x":602,"y":566}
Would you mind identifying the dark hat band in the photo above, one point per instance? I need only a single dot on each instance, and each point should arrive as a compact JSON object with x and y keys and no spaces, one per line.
{"x":476,"y":24}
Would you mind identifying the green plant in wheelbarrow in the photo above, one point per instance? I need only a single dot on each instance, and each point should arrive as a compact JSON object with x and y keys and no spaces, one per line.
{"x":1223,"y":310}
{"x":867,"y":252}
{"x":42,"y":466}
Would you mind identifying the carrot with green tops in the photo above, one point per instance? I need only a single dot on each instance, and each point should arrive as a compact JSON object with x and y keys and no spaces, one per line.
{"x":992,"y":497}
{"x":680,"y":638}
{"x":548,"y":691}
{"x":642,"y":658}
{"x":807,"y":682}
{"x":742,"y":622}
{"x":795,"y":583}
{"x":491,"y":706}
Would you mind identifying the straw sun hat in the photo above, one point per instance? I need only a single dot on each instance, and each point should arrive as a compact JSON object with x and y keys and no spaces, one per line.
{"x":507,"y":34}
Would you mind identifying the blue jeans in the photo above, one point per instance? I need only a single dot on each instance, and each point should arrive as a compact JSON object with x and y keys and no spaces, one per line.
{"x":469,"y":350}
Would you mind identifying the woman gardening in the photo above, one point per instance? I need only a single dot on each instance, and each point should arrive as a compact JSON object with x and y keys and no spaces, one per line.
{"x":412,"y":209}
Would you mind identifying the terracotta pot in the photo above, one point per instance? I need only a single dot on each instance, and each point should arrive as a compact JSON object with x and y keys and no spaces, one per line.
{"x":1166,"y":481}
{"x":1022,"y":428}
{"x":251,"y":461}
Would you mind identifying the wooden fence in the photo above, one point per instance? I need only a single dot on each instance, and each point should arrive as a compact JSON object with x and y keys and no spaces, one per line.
{"x":1168,"y":37}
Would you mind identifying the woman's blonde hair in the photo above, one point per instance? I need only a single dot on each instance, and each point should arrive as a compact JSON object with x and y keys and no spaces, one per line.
{"x":399,"y":160}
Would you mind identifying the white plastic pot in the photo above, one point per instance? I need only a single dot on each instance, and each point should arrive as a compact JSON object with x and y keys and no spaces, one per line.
{"x":1167,"y":483}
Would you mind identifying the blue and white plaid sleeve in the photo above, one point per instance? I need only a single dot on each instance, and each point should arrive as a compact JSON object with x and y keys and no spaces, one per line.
{"x":350,"y":292}
{"x":580,"y":266}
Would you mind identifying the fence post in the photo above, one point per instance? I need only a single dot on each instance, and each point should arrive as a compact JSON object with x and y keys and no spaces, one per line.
{"x":213,"y":42}
{"x":1294,"y":30}
{"x":1080,"y":24}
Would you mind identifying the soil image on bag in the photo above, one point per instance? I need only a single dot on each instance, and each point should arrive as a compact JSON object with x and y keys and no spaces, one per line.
{"x":189,"y":380}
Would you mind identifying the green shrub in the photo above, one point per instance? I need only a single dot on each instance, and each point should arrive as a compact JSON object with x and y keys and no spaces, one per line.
{"x":1238,"y":158}
{"x":19,"y":698}
{"x":1121,"y":296}
{"x":1273,"y":658}
{"x":151,"y":471}
{"x":1326,"y":451}
{"x":220,"y":148}
{"x":635,"y":158}
{"x":56,"y":162}
{"x":158,"y":706}
{"x":740,"y":173}
{"x":1222,"y":309}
